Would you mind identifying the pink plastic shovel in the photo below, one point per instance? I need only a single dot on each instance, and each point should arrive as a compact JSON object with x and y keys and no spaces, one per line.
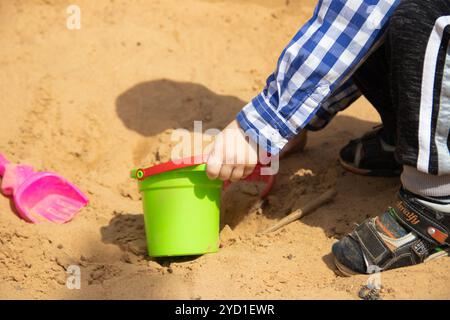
{"x":40,"y":195}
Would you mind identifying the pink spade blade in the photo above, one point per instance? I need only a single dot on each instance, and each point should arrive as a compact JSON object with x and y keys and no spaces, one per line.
{"x":46,"y":196}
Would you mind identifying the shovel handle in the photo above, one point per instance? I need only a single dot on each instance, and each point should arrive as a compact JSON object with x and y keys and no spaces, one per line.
{"x":3,"y":163}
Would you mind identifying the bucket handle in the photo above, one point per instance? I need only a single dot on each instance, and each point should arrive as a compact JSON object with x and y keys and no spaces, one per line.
{"x":255,"y":176}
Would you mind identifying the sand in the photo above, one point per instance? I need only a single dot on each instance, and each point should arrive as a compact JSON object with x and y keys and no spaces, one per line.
{"x":93,"y":103}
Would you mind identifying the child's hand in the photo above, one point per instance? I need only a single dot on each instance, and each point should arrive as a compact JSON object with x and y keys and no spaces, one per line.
{"x":232,"y":157}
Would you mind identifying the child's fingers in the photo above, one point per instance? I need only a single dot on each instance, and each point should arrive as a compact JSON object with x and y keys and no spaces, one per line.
{"x":213,"y":167}
{"x":247,"y":171}
{"x":225,"y":172}
{"x":237,"y":173}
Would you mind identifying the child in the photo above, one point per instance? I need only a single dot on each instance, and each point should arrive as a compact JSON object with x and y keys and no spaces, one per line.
{"x":397,"y":54}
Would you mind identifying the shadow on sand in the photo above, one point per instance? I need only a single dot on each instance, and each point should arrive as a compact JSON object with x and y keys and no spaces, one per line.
{"x":150,"y":108}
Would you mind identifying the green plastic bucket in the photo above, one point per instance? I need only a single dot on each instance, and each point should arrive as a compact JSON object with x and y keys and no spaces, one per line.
{"x":181,"y":210}
{"x":182,"y":206}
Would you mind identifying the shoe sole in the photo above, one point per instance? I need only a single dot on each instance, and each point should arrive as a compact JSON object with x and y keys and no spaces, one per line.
{"x":343,"y":270}
{"x":438,"y":255}
{"x":346,"y":272}
{"x":366,"y":172}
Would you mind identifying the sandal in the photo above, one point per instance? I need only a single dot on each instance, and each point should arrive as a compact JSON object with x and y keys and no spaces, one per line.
{"x":370,"y":156}
{"x":413,"y":232}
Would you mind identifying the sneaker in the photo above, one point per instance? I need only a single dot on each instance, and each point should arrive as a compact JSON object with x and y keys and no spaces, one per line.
{"x":414,"y":231}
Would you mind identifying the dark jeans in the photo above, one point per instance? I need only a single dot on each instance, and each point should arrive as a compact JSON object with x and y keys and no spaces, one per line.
{"x":407,"y":80}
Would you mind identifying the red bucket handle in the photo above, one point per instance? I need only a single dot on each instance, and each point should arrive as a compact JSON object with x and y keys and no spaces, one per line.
{"x":255,"y":176}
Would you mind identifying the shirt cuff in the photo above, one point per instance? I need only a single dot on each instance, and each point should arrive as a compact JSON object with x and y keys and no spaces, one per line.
{"x":261,"y":123}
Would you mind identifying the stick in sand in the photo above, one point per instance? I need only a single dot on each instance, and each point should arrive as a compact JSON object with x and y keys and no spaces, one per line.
{"x":308,"y":208}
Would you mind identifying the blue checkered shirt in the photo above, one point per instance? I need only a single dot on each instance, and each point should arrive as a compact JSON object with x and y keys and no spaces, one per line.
{"x":312,"y":81}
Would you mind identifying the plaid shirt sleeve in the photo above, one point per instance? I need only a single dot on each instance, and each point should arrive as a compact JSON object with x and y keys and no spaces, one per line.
{"x":312,"y":79}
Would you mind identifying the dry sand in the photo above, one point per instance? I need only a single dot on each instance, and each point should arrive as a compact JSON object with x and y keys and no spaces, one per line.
{"x":93,"y":103}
